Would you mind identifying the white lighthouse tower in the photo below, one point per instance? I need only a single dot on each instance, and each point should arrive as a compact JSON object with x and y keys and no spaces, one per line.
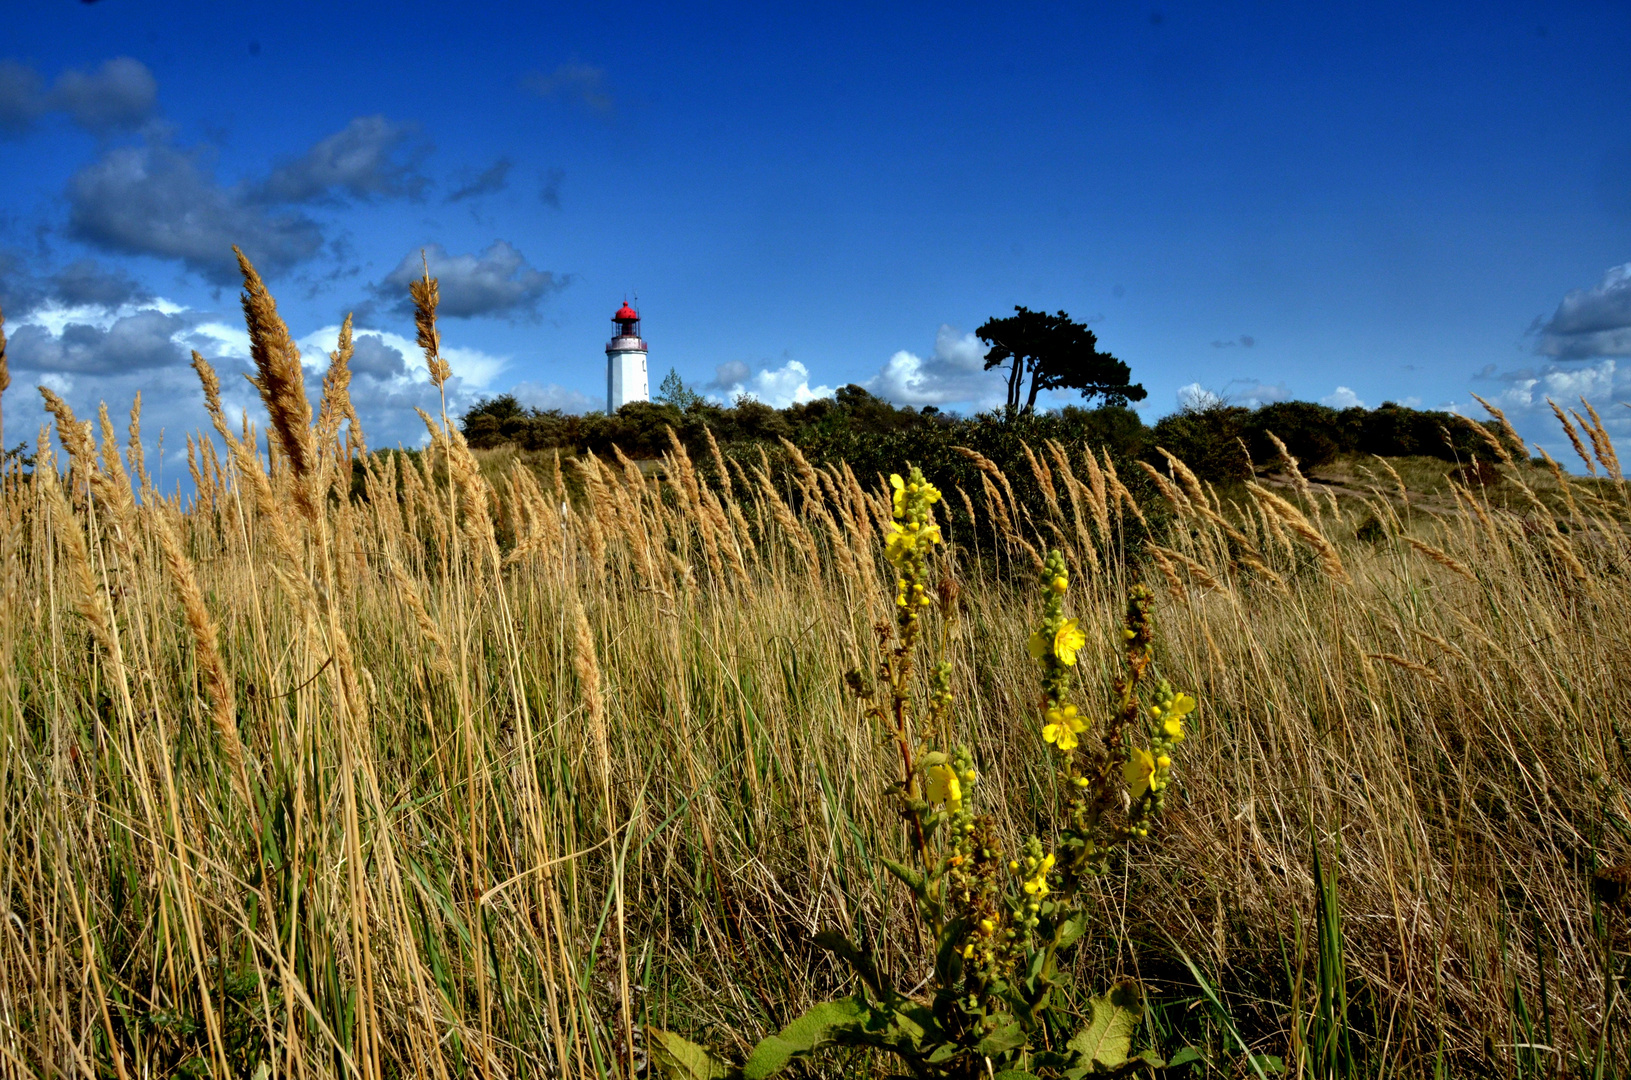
{"x":626,"y":362}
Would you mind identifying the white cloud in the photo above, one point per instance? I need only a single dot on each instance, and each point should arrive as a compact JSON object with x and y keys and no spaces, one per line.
{"x":1593,"y":322}
{"x":1342,"y":398}
{"x":553,"y":396}
{"x":776,"y":387}
{"x":1248,"y":393}
{"x":55,"y":317}
{"x":954,"y":374}
{"x":472,"y":366}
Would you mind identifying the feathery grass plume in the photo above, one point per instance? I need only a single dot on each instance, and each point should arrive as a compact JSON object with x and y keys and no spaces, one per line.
{"x":1398,"y":482}
{"x":1044,"y":480}
{"x":138,"y":459}
{"x":1294,"y":520}
{"x":1510,"y":434}
{"x":1122,"y":496}
{"x":206,"y":649}
{"x":1601,"y":444}
{"x":1100,"y":496}
{"x":1169,"y":491}
{"x":1445,"y":560}
{"x":1443,"y":644}
{"x":1076,"y":491}
{"x":1191,"y":483}
{"x":1574,"y":436}
{"x":5,"y":374}
{"x":74,"y":434}
{"x":1197,"y":570}
{"x":441,"y":655}
{"x":335,"y":406}
{"x":1407,"y":664}
{"x":88,"y":598}
{"x":1562,"y":479}
{"x":793,"y":529}
{"x":1291,"y":464}
{"x":194,"y":471}
{"x":426,"y":296}
{"x":1488,"y":438}
{"x":1175,"y":584}
{"x":281,"y":382}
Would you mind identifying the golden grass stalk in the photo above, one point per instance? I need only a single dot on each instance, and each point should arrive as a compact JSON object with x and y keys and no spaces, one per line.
{"x":1407,"y":664}
{"x":1294,"y":520}
{"x":5,"y":377}
{"x":138,"y":459}
{"x":426,"y":294}
{"x":281,"y":382}
{"x":206,"y":649}
{"x":1574,"y":436}
{"x":1443,"y":559}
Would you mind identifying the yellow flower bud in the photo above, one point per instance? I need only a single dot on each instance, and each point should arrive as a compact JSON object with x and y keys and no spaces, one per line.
{"x":1060,"y":583}
{"x":1164,"y":762}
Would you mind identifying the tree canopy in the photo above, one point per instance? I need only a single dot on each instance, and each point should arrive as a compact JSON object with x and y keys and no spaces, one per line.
{"x":1057,"y":353}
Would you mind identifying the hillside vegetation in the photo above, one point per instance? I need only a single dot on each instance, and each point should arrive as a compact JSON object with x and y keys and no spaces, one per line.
{"x":487,"y":777}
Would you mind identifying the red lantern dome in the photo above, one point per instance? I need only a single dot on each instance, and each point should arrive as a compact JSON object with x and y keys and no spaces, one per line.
{"x":626,"y":314}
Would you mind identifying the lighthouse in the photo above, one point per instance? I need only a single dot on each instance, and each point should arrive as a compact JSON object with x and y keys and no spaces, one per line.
{"x":625,"y":362}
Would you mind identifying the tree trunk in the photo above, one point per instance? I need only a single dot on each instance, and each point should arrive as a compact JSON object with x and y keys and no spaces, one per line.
{"x":1036,"y":376}
{"x":1016,"y":382}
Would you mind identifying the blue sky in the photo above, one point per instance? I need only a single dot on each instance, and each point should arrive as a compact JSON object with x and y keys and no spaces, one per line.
{"x":1409,"y":202}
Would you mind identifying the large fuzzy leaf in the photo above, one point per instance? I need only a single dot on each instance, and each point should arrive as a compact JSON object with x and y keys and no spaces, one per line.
{"x":827,"y":1024}
{"x":680,"y":1059}
{"x":1106,"y":1043}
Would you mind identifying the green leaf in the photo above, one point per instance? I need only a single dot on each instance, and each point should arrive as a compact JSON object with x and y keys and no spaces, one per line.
{"x":1185,"y":1056}
{"x":1016,"y":1074}
{"x":1267,"y":1063}
{"x":948,"y":960}
{"x":680,"y":1059}
{"x":912,"y":879}
{"x":1106,"y":1042}
{"x":1072,"y":929}
{"x":1008,"y":1037}
{"x":821,"y":1025}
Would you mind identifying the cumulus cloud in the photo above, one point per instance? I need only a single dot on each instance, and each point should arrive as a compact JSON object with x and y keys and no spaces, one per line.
{"x":575,"y":82}
{"x":157,"y":200}
{"x":162,"y":200}
{"x":369,"y":158}
{"x":118,"y":96}
{"x":494,"y":178}
{"x":1591,"y":323}
{"x":498,"y":281}
{"x":1342,"y":398}
{"x":953,"y":374}
{"x":1246,"y":392}
{"x":776,"y":387}
{"x":547,"y":396}
{"x":146,"y":339}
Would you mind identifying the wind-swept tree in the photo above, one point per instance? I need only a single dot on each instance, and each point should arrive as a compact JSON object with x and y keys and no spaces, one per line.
{"x":1057,"y":353}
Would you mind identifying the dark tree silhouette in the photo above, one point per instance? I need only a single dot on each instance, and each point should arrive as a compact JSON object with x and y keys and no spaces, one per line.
{"x":1057,"y":353}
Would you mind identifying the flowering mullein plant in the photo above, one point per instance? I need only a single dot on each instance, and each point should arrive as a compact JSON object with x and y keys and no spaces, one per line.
{"x":997,"y":921}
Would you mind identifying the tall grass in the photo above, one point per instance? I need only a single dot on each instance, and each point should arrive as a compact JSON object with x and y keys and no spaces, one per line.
{"x":479,"y":773}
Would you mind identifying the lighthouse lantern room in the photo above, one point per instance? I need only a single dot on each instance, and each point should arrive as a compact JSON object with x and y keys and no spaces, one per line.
{"x":626,"y":362}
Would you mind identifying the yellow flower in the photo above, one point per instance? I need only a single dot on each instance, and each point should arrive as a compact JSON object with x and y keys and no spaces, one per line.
{"x":1139,"y":772}
{"x":1174,"y":730}
{"x":1060,"y":583}
{"x":898,"y":545}
{"x":1069,"y":639}
{"x":900,"y":494}
{"x":1182,"y":705}
{"x":1038,"y":645}
{"x":944,"y":785}
{"x":1062,"y":727}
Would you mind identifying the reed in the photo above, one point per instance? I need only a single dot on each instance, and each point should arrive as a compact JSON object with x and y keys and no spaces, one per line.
{"x":471,"y":776}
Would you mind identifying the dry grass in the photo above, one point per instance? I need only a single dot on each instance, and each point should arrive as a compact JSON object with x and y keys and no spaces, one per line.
{"x":497,"y":809}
